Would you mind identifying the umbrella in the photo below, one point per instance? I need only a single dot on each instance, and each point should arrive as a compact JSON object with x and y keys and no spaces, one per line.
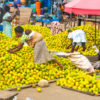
{"x":85,"y":7}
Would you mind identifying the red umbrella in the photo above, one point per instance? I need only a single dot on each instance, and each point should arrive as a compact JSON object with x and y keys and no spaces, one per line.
{"x":85,"y":7}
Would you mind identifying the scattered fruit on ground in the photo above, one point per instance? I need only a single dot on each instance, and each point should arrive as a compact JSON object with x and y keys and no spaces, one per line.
{"x":18,"y":89}
{"x":34,"y":86}
{"x":39,"y":89}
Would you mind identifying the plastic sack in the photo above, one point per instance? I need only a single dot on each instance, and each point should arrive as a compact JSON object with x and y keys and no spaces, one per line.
{"x":96,"y":64}
{"x":28,"y":98}
{"x":80,"y":61}
{"x":96,"y":49}
{"x":15,"y":98}
{"x":43,"y":83}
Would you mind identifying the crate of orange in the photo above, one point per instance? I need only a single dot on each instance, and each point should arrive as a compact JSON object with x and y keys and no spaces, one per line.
{"x":38,"y":11}
{"x":38,"y":5}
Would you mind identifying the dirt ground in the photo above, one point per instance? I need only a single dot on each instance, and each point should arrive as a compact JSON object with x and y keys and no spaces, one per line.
{"x":54,"y":92}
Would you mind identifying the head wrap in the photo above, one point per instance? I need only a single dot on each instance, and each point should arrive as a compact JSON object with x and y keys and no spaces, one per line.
{"x":69,"y":30}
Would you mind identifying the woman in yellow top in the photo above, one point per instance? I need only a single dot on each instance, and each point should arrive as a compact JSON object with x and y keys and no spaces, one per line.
{"x":41,"y":53}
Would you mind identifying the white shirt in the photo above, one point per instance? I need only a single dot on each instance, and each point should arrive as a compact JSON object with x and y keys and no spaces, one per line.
{"x":77,"y":36}
{"x":32,"y":33}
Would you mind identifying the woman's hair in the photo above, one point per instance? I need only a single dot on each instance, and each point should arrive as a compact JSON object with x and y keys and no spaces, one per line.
{"x":6,"y":8}
{"x":19,"y":29}
{"x":27,"y":32}
{"x":15,"y":6}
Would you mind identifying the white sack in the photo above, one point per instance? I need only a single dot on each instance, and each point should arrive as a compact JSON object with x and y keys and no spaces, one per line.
{"x":43,"y":83}
{"x":80,"y":61}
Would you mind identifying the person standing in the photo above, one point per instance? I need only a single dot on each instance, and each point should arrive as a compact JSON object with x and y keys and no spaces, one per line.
{"x":16,"y":16}
{"x":54,"y":7}
{"x":2,"y":12}
{"x":7,"y":19}
{"x":59,"y":12}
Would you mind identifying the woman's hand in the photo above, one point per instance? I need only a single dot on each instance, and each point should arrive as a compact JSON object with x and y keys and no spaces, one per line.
{"x":17,"y":48}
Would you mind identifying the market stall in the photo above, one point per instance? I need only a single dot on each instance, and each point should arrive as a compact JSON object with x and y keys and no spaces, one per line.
{"x":36,"y":5}
{"x":39,"y":8}
{"x":18,"y":70}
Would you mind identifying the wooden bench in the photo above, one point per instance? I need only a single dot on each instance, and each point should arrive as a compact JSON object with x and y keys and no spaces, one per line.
{"x":7,"y":95}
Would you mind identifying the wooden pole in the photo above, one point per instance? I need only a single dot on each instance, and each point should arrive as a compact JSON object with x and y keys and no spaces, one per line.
{"x":95,"y":29}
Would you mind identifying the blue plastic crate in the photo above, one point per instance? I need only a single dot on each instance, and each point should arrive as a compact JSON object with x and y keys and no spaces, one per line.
{"x":1,"y":27}
{"x":47,"y":21}
{"x":39,"y":20}
{"x":55,"y":19}
{"x":49,"y":11}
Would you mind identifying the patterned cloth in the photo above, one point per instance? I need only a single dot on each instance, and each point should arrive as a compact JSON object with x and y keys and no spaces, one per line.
{"x":7,"y":27}
{"x":55,"y":28}
{"x":41,"y":53}
{"x":15,"y":21}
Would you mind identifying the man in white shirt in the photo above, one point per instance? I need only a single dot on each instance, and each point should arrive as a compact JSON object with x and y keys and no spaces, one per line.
{"x":77,"y":37}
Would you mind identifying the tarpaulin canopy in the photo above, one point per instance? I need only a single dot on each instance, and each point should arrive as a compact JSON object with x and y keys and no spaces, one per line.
{"x":85,"y":7}
{"x":66,"y":1}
